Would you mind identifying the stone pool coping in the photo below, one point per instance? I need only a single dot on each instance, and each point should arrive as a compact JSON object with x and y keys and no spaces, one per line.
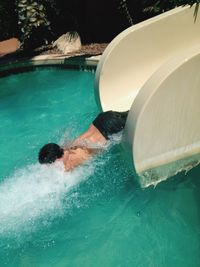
{"x":12,"y":66}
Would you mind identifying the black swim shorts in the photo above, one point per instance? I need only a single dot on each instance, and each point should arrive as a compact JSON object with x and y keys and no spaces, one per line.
{"x":110,"y":122}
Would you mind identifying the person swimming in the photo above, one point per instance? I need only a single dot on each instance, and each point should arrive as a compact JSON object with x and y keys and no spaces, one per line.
{"x":87,"y":144}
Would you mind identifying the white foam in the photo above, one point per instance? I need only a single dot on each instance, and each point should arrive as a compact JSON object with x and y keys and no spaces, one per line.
{"x":41,"y":192}
{"x":34,"y":192}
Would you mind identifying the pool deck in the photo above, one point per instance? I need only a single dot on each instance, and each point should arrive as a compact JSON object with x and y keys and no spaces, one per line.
{"x":61,"y":59}
{"x":14,"y":60}
{"x":17,"y":65}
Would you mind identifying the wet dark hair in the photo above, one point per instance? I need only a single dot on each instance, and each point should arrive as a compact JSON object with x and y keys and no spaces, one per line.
{"x":49,"y":153}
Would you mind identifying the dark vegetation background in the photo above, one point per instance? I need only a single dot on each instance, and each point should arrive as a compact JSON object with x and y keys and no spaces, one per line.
{"x":96,"y":21}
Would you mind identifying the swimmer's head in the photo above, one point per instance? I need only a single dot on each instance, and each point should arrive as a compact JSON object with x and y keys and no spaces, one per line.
{"x":50,"y":153}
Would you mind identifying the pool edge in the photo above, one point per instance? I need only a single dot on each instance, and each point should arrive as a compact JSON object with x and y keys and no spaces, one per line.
{"x":14,"y":66}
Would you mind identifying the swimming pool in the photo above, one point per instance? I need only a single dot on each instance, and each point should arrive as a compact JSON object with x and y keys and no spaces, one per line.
{"x":97,"y":215}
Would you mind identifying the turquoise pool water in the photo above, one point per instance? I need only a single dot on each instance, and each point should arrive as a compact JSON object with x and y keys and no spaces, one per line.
{"x":97,"y":215}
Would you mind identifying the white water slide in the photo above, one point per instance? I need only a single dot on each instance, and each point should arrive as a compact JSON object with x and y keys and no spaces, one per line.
{"x":153,"y":69}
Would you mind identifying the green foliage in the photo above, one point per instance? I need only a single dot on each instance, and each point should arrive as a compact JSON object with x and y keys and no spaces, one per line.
{"x":36,"y":22}
{"x":31,"y":16}
{"x":159,"y":6}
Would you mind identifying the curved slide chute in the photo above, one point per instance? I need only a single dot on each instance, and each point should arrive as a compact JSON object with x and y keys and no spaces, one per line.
{"x":163,"y":126}
{"x":153,"y":69}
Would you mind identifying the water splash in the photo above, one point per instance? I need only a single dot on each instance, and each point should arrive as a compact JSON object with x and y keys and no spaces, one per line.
{"x":36,"y":192}
{"x":153,"y":176}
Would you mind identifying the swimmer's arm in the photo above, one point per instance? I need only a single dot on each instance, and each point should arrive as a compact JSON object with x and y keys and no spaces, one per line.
{"x":68,"y":165}
{"x":75,"y":160}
